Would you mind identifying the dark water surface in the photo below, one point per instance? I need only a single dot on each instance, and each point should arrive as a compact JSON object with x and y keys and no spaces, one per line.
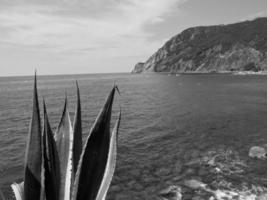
{"x":173,"y":129}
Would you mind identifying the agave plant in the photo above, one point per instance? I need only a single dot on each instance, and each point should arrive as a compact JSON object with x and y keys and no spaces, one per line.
{"x":56,"y":165}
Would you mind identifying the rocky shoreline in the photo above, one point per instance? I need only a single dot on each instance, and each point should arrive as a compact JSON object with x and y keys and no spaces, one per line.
{"x":218,"y":178}
{"x":216,"y":174}
{"x":203,"y":73}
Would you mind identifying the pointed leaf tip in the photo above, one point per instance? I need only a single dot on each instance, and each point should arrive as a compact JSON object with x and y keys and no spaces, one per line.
{"x":78,"y":94}
{"x":77,"y":132}
{"x":33,"y":160}
{"x":94,"y":158}
{"x":64,"y":141}
{"x":51,"y":161}
{"x":44,"y":107}
{"x":117,"y":89}
{"x":18,"y":190}
{"x":111,"y":163}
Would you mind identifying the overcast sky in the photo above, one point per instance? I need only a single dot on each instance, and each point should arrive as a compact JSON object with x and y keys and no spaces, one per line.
{"x":101,"y":36}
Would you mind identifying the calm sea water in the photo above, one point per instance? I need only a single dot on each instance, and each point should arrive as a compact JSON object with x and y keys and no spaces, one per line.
{"x":173,"y":129}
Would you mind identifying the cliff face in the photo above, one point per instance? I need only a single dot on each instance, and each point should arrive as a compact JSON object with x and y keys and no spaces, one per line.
{"x":234,"y":47}
{"x":138,"y":68}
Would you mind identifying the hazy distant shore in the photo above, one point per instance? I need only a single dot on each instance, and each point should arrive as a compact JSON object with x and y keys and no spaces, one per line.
{"x":212,"y":72}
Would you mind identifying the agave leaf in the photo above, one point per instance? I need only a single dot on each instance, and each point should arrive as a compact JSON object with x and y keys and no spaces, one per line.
{"x":110,"y":168}
{"x":33,"y":161}
{"x":18,"y":190}
{"x":93,"y":161}
{"x":77,"y":132}
{"x":64,"y":141}
{"x":50,"y":162}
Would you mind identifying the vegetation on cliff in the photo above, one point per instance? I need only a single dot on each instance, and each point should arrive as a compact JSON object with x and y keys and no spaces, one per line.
{"x":235,"y":47}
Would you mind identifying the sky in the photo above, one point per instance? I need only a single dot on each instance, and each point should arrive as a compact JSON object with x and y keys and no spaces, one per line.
{"x":102,"y":36}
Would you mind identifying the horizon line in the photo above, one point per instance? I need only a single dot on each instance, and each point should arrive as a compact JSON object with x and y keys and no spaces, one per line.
{"x":59,"y":74}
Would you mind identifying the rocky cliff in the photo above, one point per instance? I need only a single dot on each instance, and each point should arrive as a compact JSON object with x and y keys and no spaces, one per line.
{"x":234,"y":47}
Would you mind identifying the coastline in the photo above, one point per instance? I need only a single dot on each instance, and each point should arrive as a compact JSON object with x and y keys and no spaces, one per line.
{"x":208,"y":73}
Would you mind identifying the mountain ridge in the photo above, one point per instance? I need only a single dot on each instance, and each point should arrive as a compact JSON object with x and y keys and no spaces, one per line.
{"x":240,"y":46}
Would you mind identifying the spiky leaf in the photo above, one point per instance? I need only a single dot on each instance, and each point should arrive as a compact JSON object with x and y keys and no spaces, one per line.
{"x":110,"y":168}
{"x":94,"y":157}
{"x":51,"y":161}
{"x":33,"y":161}
{"x":64,"y":141}
{"x":77,"y":133}
{"x":18,"y":190}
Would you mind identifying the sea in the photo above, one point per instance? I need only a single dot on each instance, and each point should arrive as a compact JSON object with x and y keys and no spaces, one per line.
{"x":192,"y":132}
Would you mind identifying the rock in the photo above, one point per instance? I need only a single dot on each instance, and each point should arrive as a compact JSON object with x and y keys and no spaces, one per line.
{"x":217,"y":170}
{"x":138,"y":67}
{"x":195,"y":184}
{"x":211,"y":162}
{"x":190,"y":171}
{"x":194,"y":162}
{"x":212,"y":49}
{"x":178,"y":178}
{"x":257,"y":152}
{"x":262,"y":197}
{"x":171,"y":193}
